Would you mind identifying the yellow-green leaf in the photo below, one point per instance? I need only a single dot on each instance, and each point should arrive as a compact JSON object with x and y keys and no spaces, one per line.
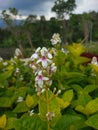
{"x":95,"y":67}
{"x":92,"y":106}
{"x":29,"y":101}
{"x":81,"y":109}
{"x":68,"y":95}
{"x":62,"y":103}
{"x":76,"y":49}
{"x":3,"y":121}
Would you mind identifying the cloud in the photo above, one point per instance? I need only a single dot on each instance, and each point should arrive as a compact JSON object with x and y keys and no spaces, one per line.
{"x":43,"y":7}
{"x":86,"y":6}
{"x":26,"y":7}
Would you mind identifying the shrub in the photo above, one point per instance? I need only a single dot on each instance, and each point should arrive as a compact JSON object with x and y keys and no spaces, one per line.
{"x":52,"y":89}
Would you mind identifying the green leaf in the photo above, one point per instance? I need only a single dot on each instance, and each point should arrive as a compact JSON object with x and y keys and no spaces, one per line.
{"x":31,"y":101}
{"x":3,"y":121}
{"x":81,"y":109}
{"x":76,"y":49}
{"x":21,"y":107}
{"x":77,"y":88}
{"x":93,"y":121}
{"x":12,"y":123}
{"x":90,"y":88}
{"x":21,"y":91}
{"x":32,"y":122}
{"x":92,"y":106}
{"x":6,"y":101}
{"x":5,"y":75}
{"x":68,"y":96}
{"x":63,"y":104}
{"x":65,"y":121}
{"x":83,"y":99}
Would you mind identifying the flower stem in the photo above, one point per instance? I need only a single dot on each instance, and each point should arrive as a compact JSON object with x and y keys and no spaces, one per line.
{"x":47,"y":102}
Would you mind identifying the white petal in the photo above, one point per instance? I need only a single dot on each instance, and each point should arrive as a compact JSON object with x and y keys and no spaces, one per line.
{"x":44,"y":51}
{"x":44,"y":63}
{"x":45,"y":78}
{"x":38,"y":49}
{"x":49,"y":61}
{"x":34,"y":56}
{"x":49,"y":56}
{"x":40,"y":72}
{"x":38,"y":61}
{"x":40,"y":83}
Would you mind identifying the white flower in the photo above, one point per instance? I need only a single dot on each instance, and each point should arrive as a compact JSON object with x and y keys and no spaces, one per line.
{"x":36,"y":55}
{"x":17,"y":70}
{"x":45,"y":61}
{"x":20,"y":99}
{"x":5,"y":63}
{"x":39,"y":90}
{"x":54,"y":51}
{"x":40,"y":79}
{"x":1,"y":59}
{"x":53,"y":68}
{"x":32,"y":65}
{"x":49,"y":82}
{"x":55,"y":39}
{"x":45,"y":52}
{"x":31,"y":112}
{"x":18,"y":52}
{"x":94,"y":61}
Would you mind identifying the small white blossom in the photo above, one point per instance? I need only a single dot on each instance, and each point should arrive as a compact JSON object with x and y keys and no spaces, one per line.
{"x":49,"y":82}
{"x":39,"y":90}
{"x":58,"y":92}
{"x":94,"y":61}
{"x":45,"y":52}
{"x":45,"y":61}
{"x":20,"y":99}
{"x":36,"y":55}
{"x":5,"y":63}
{"x":17,"y":70}
{"x":39,"y":80}
{"x":18,"y":52}
{"x":54,"y":51}
{"x":1,"y":59}
{"x":53,"y":68}
{"x":31,"y":112}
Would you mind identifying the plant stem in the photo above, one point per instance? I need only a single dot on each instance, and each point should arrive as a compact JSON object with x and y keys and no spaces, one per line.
{"x":48,"y":124}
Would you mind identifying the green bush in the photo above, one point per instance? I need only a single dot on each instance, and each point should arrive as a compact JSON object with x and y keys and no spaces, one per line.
{"x":92,"y":47}
{"x":66,"y":99}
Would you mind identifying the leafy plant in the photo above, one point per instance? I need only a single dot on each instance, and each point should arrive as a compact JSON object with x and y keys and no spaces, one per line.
{"x":53,"y":89}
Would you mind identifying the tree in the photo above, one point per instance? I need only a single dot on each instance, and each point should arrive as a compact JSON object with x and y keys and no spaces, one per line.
{"x":9,"y":18}
{"x":62,"y":9}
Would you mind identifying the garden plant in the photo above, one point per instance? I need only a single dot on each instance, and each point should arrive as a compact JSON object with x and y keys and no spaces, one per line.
{"x":55,"y":89}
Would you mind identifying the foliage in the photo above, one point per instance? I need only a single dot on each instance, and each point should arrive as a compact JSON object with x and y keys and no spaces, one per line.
{"x":53,"y":89}
{"x":31,"y":32}
{"x":62,"y":8}
{"x":92,"y":47}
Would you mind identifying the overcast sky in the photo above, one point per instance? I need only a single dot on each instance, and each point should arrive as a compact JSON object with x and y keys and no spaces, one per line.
{"x":43,"y":7}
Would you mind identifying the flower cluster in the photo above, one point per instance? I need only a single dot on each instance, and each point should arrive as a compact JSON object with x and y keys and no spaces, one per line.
{"x":43,"y":68}
{"x":55,"y":39}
